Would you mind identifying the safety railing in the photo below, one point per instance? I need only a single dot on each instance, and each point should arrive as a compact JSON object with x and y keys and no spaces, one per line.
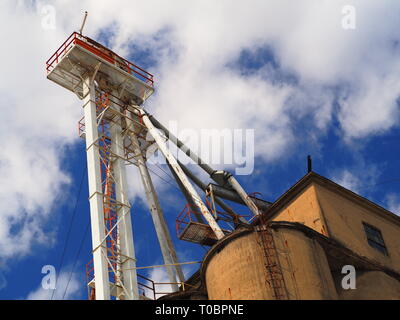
{"x":147,"y":285}
{"x":184,"y":218}
{"x":100,"y":51}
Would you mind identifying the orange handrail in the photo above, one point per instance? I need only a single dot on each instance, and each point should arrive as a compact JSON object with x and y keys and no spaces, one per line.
{"x":90,"y":45}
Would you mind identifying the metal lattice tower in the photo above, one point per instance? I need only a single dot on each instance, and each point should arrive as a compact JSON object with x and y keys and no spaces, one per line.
{"x":116,"y":129}
{"x":111,"y":88}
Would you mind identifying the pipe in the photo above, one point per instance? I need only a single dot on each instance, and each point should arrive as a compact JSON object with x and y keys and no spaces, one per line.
{"x":182,"y":177}
{"x":83,"y":23}
{"x":231,"y":195}
{"x":187,"y":196}
{"x":245,"y":197}
{"x":221,"y":177}
{"x":182,"y":146}
{"x":204,"y":187}
{"x":164,"y":239}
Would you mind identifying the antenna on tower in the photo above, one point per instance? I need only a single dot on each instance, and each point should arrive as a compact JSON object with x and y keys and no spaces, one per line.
{"x":83,"y":23}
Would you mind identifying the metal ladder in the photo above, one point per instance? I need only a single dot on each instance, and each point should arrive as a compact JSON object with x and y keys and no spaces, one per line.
{"x":275,"y":277}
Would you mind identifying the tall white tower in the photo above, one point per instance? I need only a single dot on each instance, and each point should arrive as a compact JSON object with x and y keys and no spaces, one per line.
{"x":115,"y":128}
{"x":112,"y":89}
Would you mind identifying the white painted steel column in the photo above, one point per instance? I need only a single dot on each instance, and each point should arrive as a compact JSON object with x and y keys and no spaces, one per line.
{"x":164,"y":238}
{"x":182,"y":177}
{"x":102,"y":285}
{"x":247,"y":200}
{"x":125,"y":234}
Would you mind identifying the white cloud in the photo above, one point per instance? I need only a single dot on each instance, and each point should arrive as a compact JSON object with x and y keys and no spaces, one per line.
{"x":72,"y":292}
{"x":308,"y":40}
{"x":348,"y":180}
{"x":359,"y":178}
{"x":160,"y":277}
{"x":3,"y":281}
{"x":393,"y":203}
{"x":37,"y":121}
{"x":193,"y":43}
{"x":373,"y":108}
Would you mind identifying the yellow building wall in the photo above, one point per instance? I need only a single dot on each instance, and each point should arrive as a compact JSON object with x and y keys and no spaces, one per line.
{"x":304,"y":209}
{"x":334,"y":215}
{"x":304,"y":266}
{"x":344,"y":218}
{"x":237,"y":271}
{"x":371,"y":285}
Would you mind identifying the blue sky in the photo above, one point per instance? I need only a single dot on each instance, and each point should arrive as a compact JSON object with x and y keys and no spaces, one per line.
{"x":294,"y":75}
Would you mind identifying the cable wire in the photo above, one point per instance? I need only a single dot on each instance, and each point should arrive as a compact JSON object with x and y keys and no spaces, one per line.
{"x":70,"y":228}
{"x":379,"y":183}
{"x":169,"y":182}
{"x":76,"y":258}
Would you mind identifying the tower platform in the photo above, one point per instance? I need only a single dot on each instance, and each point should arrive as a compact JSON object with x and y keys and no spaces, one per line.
{"x":79,"y":56}
{"x":194,"y":231}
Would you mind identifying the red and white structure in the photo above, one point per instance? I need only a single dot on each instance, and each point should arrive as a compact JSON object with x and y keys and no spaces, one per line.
{"x":115,"y":127}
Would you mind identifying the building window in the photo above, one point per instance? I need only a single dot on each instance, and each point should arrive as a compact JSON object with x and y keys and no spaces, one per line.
{"x":375,"y":239}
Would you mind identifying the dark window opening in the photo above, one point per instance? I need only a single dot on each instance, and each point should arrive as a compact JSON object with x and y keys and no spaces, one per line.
{"x":375,"y":239}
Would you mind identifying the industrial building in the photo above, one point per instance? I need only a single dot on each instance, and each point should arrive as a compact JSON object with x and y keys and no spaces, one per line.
{"x":293,"y":248}
{"x":298,"y":248}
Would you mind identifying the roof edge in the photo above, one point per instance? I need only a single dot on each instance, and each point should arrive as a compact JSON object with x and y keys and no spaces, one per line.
{"x":311,"y":177}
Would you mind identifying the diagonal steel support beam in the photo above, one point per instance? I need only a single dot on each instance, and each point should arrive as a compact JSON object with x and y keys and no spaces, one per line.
{"x":163,"y":235}
{"x":181,"y":175}
{"x":221,"y":177}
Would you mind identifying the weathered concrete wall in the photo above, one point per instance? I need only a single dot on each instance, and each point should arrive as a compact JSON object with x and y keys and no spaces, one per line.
{"x":341,"y":217}
{"x":304,"y":209}
{"x":237,"y":271}
{"x":344,"y":218}
{"x":305,"y":266}
{"x":370,"y":285}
